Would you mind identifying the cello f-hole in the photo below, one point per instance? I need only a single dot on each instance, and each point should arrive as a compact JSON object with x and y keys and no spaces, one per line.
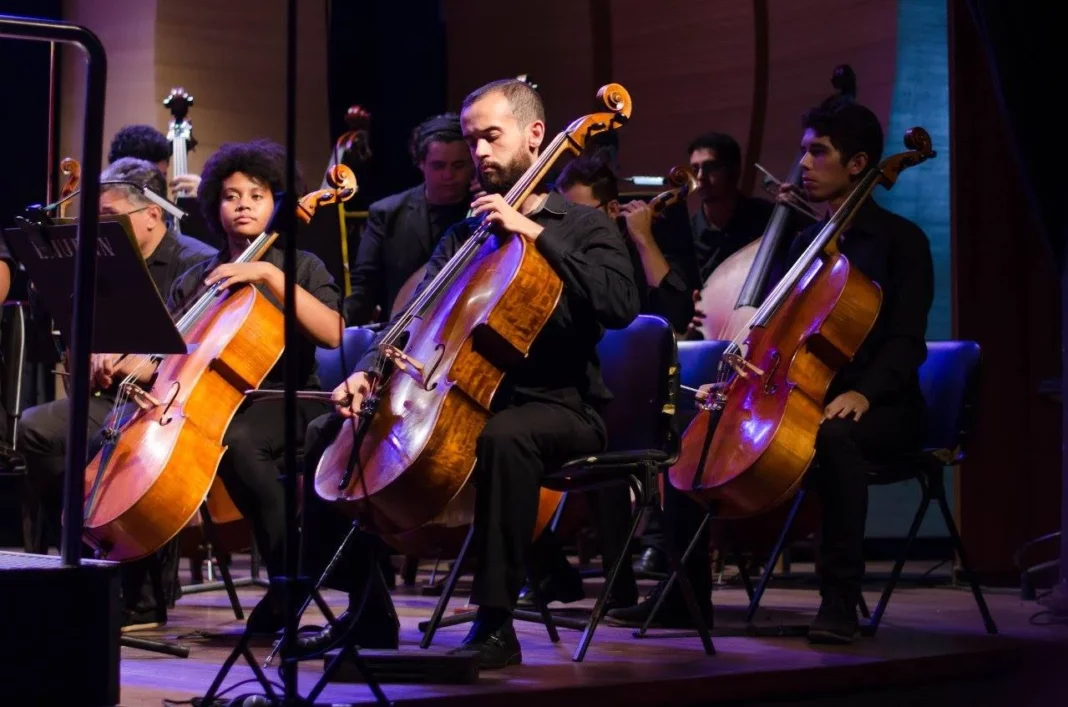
{"x":440,"y":351}
{"x":769,"y":385}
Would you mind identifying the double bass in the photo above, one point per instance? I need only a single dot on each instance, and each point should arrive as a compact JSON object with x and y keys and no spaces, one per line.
{"x":180,"y":134}
{"x":156,"y":468}
{"x":733,"y":291}
{"x":749,"y":449}
{"x":414,"y":449}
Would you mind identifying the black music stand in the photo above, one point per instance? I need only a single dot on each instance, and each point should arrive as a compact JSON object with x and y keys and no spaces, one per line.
{"x":123,"y":284}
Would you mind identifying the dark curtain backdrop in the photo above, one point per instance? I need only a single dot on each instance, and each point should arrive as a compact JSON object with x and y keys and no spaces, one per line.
{"x":1023,"y":45}
{"x":1008,"y":51}
{"x":389,"y":57}
{"x":24,"y":112}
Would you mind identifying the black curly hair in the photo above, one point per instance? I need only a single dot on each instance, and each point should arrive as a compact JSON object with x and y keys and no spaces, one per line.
{"x":141,"y":141}
{"x":264,"y":161}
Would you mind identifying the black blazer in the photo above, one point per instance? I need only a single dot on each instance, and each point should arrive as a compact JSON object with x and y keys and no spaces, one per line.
{"x":396,"y":242}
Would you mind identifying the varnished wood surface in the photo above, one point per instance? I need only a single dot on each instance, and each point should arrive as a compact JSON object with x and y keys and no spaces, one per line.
{"x":419,"y":450}
{"x":766,"y":436}
{"x":165,"y":460}
{"x":927,"y":634}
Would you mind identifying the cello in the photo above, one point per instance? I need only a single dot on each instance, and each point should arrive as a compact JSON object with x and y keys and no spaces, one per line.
{"x":414,"y":449}
{"x":750,"y":446}
{"x":156,"y":468}
{"x":733,"y":291}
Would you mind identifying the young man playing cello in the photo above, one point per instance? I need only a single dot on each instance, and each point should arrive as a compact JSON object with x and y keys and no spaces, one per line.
{"x":547,"y":408}
{"x":874,"y":408}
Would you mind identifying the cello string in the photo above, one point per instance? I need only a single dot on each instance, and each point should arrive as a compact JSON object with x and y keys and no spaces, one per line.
{"x":458,"y":263}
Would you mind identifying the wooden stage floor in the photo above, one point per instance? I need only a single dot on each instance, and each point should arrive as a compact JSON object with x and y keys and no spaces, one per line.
{"x":930,"y":649}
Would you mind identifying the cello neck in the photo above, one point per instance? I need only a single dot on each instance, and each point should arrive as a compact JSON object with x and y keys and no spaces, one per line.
{"x":826,"y":241}
{"x":757,"y":278}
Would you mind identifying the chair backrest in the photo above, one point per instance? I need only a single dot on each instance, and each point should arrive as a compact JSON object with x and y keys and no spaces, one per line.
{"x":354,"y":344}
{"x":698,"y":364}
{"x":639,"y":365}
{"x":949,"y":379}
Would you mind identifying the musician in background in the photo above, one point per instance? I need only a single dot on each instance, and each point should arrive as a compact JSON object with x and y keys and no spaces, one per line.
{"x":546,"y":410}
{"x":43,"y":432}
{"x":237,"y":198}
{"x":665,"y":269}
{"x":403,"y":229}
{"x":146,"y":143}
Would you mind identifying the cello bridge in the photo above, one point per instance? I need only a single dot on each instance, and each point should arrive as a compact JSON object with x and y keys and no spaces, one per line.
{"x":405,"y":363}
{"x":742,"y":367}
{"x":142,"y":398}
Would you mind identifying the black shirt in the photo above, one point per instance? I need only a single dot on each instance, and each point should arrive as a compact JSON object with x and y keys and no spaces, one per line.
{"x":588,"y":252}
{"x":312,"y":275}
{"x":714,"y":245}
{"x":895,"y":253}
{"x":672,"y":299}
{"x":174,"y":255}
{"x":399,"y":237}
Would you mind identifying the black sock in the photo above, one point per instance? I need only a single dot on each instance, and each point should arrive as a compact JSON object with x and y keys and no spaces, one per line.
{"x":493,"y":617}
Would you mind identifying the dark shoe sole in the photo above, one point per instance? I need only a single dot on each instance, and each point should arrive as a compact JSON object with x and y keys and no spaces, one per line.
{"x":830,"y":638}
{"x":514,"y":659}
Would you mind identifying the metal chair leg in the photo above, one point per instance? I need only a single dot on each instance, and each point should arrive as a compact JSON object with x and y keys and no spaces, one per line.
{"x":895,"y":574}
{"x":224,"y":569}
{"x":675,"y":563}
{"x":539,"y":601}
{"x":446,"y":592}
{"x":951,"y":526}
{"x":639,"y":633}
{"x":769,"y":568}
{"x":602,"y":598}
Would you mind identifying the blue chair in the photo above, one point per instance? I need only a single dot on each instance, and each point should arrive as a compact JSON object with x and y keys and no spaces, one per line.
{"x":698,"y":364}
{"x":639,"y":365}
{"x":949,"y":379}
{"x":354,"y":343}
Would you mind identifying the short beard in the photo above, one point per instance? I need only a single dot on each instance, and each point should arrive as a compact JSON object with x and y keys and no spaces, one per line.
{"x":502,"y":182}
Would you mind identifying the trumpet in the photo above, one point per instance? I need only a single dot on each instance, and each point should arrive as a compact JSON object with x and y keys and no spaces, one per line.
{"x":794,"y":200}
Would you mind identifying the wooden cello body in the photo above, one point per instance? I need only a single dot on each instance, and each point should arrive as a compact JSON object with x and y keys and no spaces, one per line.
{"x":776,"y":375}
{"x":451,"y":349}
{"x":147,"y":483}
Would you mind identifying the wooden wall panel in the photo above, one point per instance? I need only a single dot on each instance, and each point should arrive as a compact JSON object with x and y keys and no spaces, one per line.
{"x":689,"y":66}
{"x":229,"y":55}
{"x":125,"y":28}
{"x":494,"y":40}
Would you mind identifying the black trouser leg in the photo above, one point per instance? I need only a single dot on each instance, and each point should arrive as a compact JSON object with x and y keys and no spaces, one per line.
{"x":249,"y":469}
{"x":683,"y":516}
{"x":841,"y":477}
{"x":325,"y":527}
{"x":517,"y":446}
{"x":611,"y":509}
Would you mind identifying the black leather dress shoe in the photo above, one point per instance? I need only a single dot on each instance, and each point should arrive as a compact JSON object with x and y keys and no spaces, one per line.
{"x":836,"y":623}
{"x":497,"y":648}
{"x":564,"y":589}
{"x":651,"y":561}
{"x":377,"y":629}
{"x":672,"y":613}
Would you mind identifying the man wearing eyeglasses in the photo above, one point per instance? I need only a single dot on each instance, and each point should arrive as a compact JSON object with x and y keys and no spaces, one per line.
{"x":42,"y":436}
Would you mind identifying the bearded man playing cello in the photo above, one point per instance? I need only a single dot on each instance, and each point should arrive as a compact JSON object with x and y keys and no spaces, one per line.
{"x":546,"y":412}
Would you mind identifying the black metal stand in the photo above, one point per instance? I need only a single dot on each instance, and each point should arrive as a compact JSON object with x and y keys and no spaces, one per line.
{"x":290,"y":581}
